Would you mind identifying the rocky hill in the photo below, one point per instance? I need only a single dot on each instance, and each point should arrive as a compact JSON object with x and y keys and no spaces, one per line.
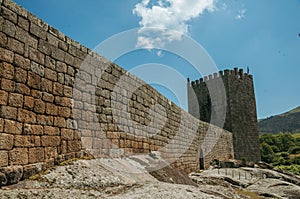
{"x":148,"y":176}
{"x":286,"y":122}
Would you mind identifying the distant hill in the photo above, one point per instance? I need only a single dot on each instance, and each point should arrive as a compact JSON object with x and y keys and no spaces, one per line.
{"x":286,"y":122}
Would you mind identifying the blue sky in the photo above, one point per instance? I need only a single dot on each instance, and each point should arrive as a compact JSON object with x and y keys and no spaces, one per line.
{"x":261,"y":34}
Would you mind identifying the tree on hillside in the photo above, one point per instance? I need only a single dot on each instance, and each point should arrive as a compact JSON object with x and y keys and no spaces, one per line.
{"x":267,"y":153}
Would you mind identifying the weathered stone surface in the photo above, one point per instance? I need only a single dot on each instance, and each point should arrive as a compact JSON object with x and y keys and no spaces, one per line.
{"x":36,"y":155}
{"x":3,"y":97}
{"x":23,"y":23}
{"x":8,"y":14}
{"x":16,"y":46}
{"x":3,"y":160}
{"x":239,"y":113}
{"x":6,"y":141}
{"x":9,"y":28}
{"x":30,"y":170}
{"x":13,"y":127}
{"x":50,"y":141}
{"x":8,"y":85}
{"x":49,"y":130}
{"x":49,"y":99}
{"x":6,"y":55}
{"x":15,"y":100}
{"x":18,"y":156}
{"x":13,"y":174}
{"x":26,"y":116}
{"x":6,"y":70}
{"x":3,"y":179}
{"x":21,"y":75}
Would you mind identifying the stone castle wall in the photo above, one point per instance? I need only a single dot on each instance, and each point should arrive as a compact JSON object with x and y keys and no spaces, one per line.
{"x":241,"y":116}
{"x":58,"y":98}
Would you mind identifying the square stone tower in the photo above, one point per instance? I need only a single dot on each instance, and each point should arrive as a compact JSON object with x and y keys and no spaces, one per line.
{"x":240,"y":108}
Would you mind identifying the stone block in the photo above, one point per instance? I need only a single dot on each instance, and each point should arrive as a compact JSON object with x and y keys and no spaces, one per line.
{"x":60,"y":122}
{"x":8,"y":112}
{"x":16,"y":46}
{"x":21,"y":75}
{"x":23,"y":141}
{"x":74,"y":146}
{"x":3,"y":40}
{"x":52,"y":39}
{"x":39,"y":106}
{"x":68,"y":92}
{"x":8,"y":14}
{"x":50,"y":141}
{"x":15,"y":100}
{"x":13,"y":174}
{"x":50,"y":63}
{"x":38,"y":31}
{"x":58,"y":54}
{"x":51,"y":109}
{"x":7,"y":70}
{"x":36,"y":155}
{"x":15,"y":8}
{"x":22,"y":89}
{"x":47,"y":85}
{"x":37,"y":68}
{"x":49,"y":130}
{"x":8,"y":85}
{"x":18,"y":156}
{"x":61,"y":67}
{"x":50,"y":152}
{"x":45,"y":120}
{"x":58,"y":89}
{"x":50,"y":74}
{"x":3,"y":159}
{"x":36,"y":56}
{"x":23,"y":23}
{"x":67,"y":134}
{"x":21,"y":62}
{"x":12,"y":127}
{"x":26,"y":116}
{"x":36,"y":93}
{"x":44,"y":47}
{"x":3,"y":97}
{"x":64,"y":112}
{"x":34,"y":80}
{"x":9,"y":28}
{"x":87,"y":142}
{"x":33,"y":129}
{"x":28,"y":102}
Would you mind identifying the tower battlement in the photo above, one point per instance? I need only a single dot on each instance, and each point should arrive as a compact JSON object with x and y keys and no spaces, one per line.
{"x":236,"y":72}
{"x":240,"y":103}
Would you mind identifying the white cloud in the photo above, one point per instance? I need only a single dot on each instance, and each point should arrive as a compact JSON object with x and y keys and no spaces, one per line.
{"x":241,"y":14}
{"x":169,"y":18}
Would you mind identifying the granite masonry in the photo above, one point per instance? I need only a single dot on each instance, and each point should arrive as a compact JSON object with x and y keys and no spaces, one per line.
{"x":59,"y":100}
{"x":239,"y":105}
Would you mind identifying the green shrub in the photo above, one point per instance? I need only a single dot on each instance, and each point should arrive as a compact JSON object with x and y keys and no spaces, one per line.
{"x":294,"y":150}
{"x":267,"y":154}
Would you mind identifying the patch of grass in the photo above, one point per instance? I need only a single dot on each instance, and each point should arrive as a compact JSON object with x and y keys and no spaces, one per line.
{"x":71,"y":161}
{"x":294,"y":168}
{"x":296,"y":135}
{"x":248,"y":194}
{"x":68,"y":162}
{"x":296,"y":110}
{"x":39,"y":175}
